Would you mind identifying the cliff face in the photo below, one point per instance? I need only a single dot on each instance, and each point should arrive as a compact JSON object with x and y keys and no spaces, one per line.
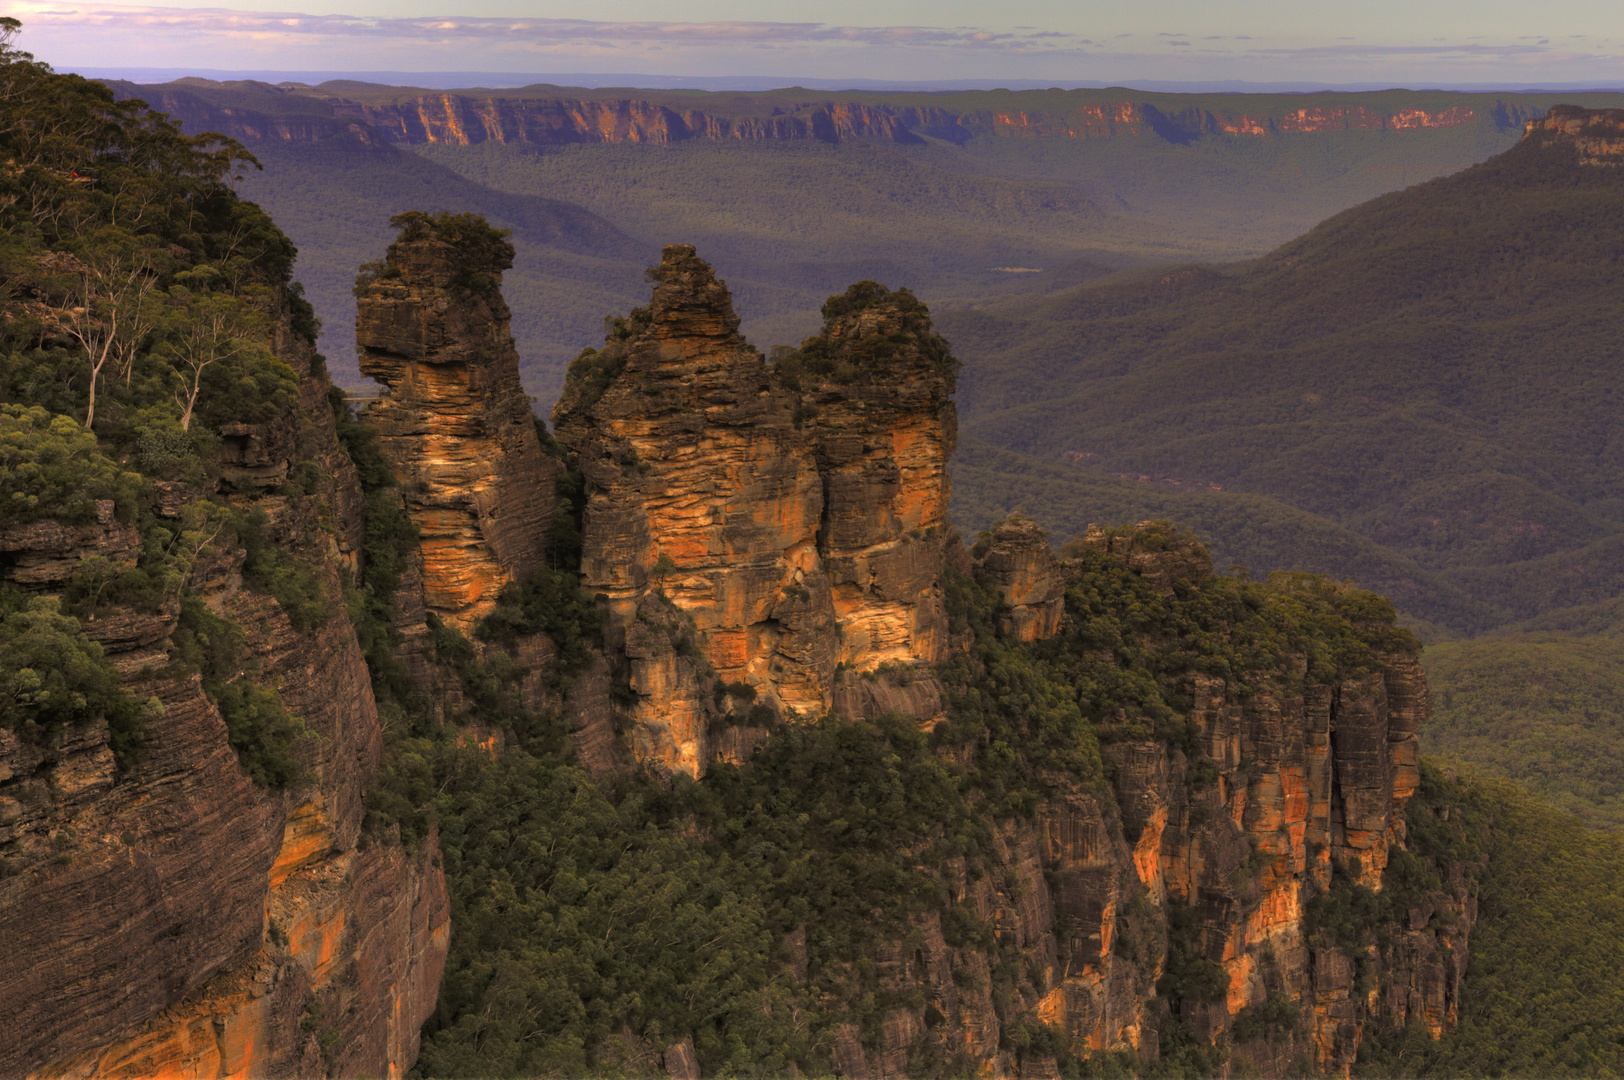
{"x":1311,"y":782}
{"x":173,"y":917}
{"x":1597,"y":134}
{"x":464,"y":118}
{"x":769,"y":540}
{"x":775,"y":525}
{"x":1198,"y":887}
{"x":455,"y":422}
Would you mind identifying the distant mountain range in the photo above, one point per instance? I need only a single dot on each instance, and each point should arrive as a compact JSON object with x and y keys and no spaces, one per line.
{"x":453,"y":80}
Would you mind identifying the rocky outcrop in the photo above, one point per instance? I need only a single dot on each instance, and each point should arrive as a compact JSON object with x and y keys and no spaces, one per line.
{"x":1183,"y":892}
{"x":770,"y":524}
{"x":169,"y":916}
{"x":1596,"y":134}
{"x":1307,"y":796}
{"x":1021,"y":565}
{"x":454,"y":422}
{"x":45,"y":553}
{"x":768,"y":537}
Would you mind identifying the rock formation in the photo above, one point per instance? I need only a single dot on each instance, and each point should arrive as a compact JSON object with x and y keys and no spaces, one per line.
{"x":454,"y":421}
{"x":1308,"y":781}
{"x":1021,"y":565}
{"x":770,"y":537}
{"x":173,"y":917}
{"x":775,"y":524}
{"x":1596,"y":134}
{"x":1290,"y":793}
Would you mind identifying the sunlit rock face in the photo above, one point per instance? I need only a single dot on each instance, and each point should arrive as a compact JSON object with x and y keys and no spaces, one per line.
{"x":1597,"y":135}
{"x":467,"y":118}
{"x":455,"y":423}
{"x":789,"y":516}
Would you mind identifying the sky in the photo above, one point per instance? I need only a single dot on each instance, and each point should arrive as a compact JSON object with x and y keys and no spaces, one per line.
{"x":1389,"y":42}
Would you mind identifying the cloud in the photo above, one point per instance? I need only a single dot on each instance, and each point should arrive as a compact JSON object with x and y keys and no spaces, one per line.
{"x":461,"y":30}
{"x":1443,"y":50}
{"x":103,"y":35}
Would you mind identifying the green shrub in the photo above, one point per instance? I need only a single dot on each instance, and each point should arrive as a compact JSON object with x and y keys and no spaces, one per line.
{"x":271,"y":568}
{"x":53,"y":676}
{"x":50,"y":466}
{"x":549,"y":602}
{"x":261,"y":731}
{"x":1278,"y":1015}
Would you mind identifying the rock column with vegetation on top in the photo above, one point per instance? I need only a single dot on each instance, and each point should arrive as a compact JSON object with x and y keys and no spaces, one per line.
{"x":454,"y":422}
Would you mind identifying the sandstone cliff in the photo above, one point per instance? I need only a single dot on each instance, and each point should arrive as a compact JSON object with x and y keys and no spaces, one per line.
{"x":545,"y":117}
{"x":770,"y":540}
{"x":1596,"y":134}
{"x":454,"y":422}
{"x":768,"y":527}
{"x":1213,"y":860}
{"x":171,"y":916}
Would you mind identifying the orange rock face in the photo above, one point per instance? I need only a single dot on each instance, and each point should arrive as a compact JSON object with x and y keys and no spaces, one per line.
{"x":173,"y":918}
{"x":455,"y":422}
{"x":1305,"y":780}
{"x":465,"y":118}
{"x":1022,"y":566}
{"x":1596,"y":134}
{"x":790,"y":517}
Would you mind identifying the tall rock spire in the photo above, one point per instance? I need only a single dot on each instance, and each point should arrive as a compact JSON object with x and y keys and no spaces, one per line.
{"x":454,"y":422}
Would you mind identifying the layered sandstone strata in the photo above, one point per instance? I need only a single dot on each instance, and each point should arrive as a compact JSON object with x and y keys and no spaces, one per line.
{"x":790,"y":517}
{"x":1290,"y":790}
{"x":454,"y":421}
{"x":171,"y":917}
{"x":1311,"y":781}
{"x":1021,"y":565}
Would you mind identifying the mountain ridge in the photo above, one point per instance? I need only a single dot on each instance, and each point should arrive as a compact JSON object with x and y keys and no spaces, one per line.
{"x":1430,"y":369}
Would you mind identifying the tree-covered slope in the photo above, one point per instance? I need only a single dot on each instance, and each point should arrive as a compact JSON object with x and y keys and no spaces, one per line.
{"x":1435,"y":371}
{"x":1542,"y":995}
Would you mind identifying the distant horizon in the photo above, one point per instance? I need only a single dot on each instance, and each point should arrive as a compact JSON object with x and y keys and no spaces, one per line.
{"x":1276,"y":45}
{"x":471,"y":80}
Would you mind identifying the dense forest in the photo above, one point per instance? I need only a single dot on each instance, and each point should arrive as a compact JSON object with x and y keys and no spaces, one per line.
{"x":1430,"y":372}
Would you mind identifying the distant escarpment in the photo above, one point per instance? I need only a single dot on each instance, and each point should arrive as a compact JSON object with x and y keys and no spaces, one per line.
{"x":367,"y":117}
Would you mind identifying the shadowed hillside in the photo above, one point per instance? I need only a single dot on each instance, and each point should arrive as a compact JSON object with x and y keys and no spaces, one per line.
{"x":1434,"y":372}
